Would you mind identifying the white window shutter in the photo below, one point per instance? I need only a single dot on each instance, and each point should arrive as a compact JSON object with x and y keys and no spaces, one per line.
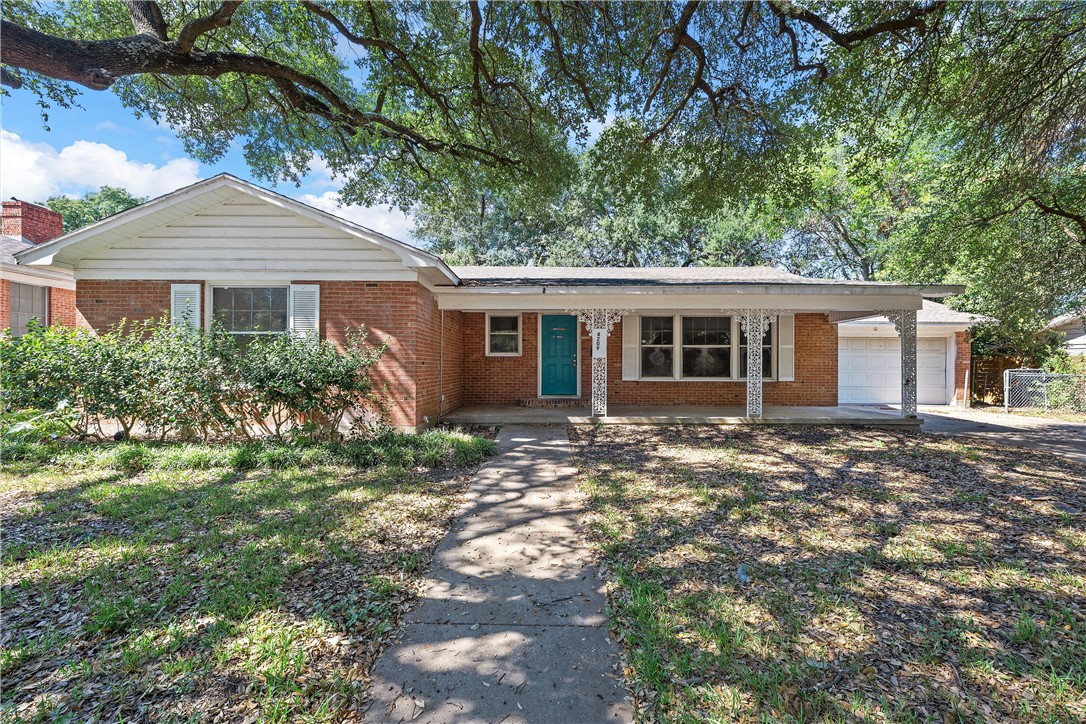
{"x":631,"y":346}
{"x":185,"y":305}
{"x":786,"y":348}
{"x":303,"y":308}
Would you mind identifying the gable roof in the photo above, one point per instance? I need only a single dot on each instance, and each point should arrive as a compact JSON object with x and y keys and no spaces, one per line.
{"x":66,"y":250}
{"x":1070,"y":319}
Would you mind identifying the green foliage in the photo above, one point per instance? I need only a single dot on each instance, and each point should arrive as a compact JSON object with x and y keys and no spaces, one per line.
{"x":170,"y":381}
{"x":92,"y":206}
{"x":433,"y":448}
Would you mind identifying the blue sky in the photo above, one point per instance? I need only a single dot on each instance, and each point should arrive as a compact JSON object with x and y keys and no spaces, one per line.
{"x":103,"y":143}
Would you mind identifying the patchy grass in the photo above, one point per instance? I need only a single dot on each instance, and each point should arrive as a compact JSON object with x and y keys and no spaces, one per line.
{"x":811,"y":574}
{"x":190,"y":581}
{"x":1064,"y":415}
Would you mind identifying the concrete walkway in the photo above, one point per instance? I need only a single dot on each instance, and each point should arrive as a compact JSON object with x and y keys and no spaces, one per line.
{"x":512,"y":626}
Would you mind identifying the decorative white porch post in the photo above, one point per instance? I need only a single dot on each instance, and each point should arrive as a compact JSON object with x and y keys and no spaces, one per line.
{"x":754,"y":323}
{"x":599,"y":322}
{"x":905,"y":324}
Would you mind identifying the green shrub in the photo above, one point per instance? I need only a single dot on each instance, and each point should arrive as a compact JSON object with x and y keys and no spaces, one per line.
{"x":167,"y":381}
{"x":431,"y":449}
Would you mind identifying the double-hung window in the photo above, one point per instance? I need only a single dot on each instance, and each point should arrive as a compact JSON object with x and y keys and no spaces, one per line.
{"x":657,"y":346}
{"x":692,"y":347}
{"x":249,"y":312}
{"x":503,"y":335}
{"x":707,"y":350}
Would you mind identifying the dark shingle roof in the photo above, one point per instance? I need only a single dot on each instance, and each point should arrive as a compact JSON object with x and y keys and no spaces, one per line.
{"x":493,"y":276}
{"x":9,"y":245}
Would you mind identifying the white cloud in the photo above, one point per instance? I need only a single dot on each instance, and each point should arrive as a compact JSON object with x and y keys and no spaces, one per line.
{"x":389,"y":221}
{"x":35,"y":171}
{"x":107,"y":126}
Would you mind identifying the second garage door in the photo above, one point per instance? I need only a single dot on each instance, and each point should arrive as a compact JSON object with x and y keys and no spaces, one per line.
{"x":869,"y":370}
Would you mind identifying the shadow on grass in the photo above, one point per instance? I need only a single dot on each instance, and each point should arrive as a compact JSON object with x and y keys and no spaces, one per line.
{"x":185,"y":592}
{"x":819,"y":573}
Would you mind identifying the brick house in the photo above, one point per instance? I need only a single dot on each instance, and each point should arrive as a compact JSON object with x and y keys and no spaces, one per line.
{"x":29,"y":292}
{"x":470,"y":336}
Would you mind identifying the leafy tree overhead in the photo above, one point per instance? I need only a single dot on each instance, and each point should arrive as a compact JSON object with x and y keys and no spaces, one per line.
{"x":403,"y":100}
{"x":92,"y":206}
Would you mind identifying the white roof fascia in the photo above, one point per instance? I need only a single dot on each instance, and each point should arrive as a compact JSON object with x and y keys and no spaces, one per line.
{"x":44,"y":253}
{"x":32,"y":275}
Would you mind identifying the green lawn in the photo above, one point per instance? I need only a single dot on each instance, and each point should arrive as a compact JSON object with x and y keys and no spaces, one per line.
{"x":806,"y":574}
{"x":188,"y":581}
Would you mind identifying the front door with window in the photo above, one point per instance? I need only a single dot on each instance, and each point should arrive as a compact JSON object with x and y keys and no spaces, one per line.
{"x":558,"y":354}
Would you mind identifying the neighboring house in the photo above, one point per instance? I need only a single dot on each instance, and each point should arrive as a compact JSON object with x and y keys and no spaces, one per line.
{"x":869,"y":370}
{"x":1073,"y":329}
{"x":461,"y":336}
{"x":27,"y":292}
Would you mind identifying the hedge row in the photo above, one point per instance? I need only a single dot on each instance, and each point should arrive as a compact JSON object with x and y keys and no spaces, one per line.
{"x":158,"y":381}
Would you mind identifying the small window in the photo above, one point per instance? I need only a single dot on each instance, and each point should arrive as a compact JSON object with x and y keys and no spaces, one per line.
{"x":28,"y":302}
{"x":707,"y":347}
{"x":503,"y":335}
{"x":248,"y":312}
{"x":657,"y":346}
{"x":767,"y":352}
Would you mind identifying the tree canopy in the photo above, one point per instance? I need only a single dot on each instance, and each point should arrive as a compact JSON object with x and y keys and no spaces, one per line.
{"x":919,"y":141}
{"x":92,"y":206}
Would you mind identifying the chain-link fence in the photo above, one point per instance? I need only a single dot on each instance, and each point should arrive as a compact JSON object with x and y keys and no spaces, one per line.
{"x":1040,"y":390}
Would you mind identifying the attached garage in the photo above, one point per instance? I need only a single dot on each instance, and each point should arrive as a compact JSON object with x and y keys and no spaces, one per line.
{"x":869,"y":358}
{"x":869,"y":370}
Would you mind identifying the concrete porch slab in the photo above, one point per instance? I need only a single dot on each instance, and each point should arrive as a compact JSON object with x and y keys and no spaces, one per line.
{"x":680,"y":415}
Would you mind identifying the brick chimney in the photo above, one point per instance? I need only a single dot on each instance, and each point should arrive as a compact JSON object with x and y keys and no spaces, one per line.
{"x":31,"y":222}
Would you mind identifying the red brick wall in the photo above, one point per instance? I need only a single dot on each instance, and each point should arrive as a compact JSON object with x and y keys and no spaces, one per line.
{"x":963,"y":360}
{"x":100,"y":304}
{"x":498,"y":380}
{"x":31,"y":222}
{"x":508,"y":380}
{"x":62,"y":306}
{"x":389,"y":312}
{"x":453,"y":361}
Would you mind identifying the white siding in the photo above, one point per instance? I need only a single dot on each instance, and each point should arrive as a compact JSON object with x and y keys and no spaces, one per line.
{"x":244,"y":238}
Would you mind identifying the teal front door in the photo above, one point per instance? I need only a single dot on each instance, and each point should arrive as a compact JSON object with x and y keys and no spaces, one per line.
{"x":558,"y":354}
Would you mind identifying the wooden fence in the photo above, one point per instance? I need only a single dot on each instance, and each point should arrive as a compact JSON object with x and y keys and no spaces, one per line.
{"x":986,"y":377}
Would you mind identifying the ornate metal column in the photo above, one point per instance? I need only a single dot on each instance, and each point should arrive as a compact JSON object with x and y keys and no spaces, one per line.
{"x":905,"y":324}
{"x":599,"y":322}
{"x":754,"y":323}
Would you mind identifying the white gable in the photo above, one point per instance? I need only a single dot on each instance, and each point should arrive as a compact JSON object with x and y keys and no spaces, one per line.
{"x":225,"y":229}
{"x":240,"y":238}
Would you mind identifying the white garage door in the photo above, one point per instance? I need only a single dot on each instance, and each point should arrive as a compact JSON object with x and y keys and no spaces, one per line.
{"x":869,"y":370}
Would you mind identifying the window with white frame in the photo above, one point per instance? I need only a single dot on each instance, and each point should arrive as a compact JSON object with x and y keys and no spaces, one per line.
{"x":698,"y":347}
{"x":657,"y":346}
{"x":503,"y":335}
{"x":28,"y":302}
{"x":248,"y":312}
{"x":707,"y":350}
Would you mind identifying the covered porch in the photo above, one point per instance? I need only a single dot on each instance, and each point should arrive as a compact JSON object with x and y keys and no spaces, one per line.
{"x":843,"y":415}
